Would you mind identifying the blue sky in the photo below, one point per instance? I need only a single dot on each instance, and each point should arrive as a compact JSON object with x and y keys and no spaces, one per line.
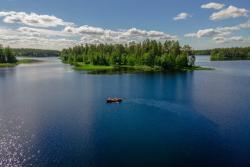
{"x":110,"y":21}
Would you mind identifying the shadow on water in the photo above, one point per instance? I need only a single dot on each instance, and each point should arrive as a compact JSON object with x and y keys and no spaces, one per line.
{"x":131,"y":70}
{"x":6,"y":72}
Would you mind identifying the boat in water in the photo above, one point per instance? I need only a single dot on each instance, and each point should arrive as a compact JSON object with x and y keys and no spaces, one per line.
{"x":114,"y":100}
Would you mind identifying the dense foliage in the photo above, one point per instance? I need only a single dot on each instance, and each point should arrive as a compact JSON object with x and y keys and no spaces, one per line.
{"x":35,"y":52}
{"x":168,"y":55}
{"x":7,"y":55}
{"x":231,"y":54}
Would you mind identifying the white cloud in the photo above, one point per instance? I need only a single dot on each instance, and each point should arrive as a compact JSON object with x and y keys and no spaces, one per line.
{"x":212,"y":5}
{"x":223,"y":35}
{"x":25,"y":37}
{"x":230,"y":12}
{"x":182,"y":16}
{"x":157,"y":35}
{"x":213,"y":32}
{"x":85,"y":30}
{"x":190,"y":35}
{"x":245,"y":25}
{"x":32,"y":19}
{"x":40,"y":43}
{"x":52,"y":39}
{"x":219,"y":31}
{"x":90,"y":34}
{"x":43,"y":32}
{"x":229,"y":39}
{"x":37,"y":33}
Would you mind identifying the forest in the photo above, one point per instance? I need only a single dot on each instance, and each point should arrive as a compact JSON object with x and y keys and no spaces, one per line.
{"x":236,"y":53}
{"x":7,"y":55}
{"x":168,"y":55}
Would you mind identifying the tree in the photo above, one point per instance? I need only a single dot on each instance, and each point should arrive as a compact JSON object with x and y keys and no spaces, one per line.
{"x":187,"y":50}
{"x":181,"y":60}
{"x":175,"y":49}
{"x":2,"y":56}
{"x":116,"y":58}
{"x":167,"y":62}
{"x":149,"y":58}
{"x":11,"y":58}
{"x":131,"y":60}
{"x":7,"y":55}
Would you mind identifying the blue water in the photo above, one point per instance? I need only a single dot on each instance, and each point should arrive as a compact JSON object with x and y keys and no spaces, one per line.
{"x":51,"y":115}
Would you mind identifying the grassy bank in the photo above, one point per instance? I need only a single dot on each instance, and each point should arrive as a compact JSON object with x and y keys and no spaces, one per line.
{"x":193,"y":68}
{"x":5,"y":65}
{"x":126,"y":68}
{"x":89,"y":67}
{"x":92,"y":67}
{"x":28,"y":61}
{"x":21,"y":61}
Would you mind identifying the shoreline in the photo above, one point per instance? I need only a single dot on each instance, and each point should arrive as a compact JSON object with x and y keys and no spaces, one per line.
{"x":131,"y":69}
{"x":21,"y":61}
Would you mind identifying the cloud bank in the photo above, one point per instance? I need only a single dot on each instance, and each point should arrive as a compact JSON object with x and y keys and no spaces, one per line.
{"x":32,"y":19}
{"x":221,"y":34}
{"x":91,"y":34}
{"x":48,"y":31}
{"x":230,"y":12}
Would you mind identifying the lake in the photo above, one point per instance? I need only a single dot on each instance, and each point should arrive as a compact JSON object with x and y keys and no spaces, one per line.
{"x":51,"y":115}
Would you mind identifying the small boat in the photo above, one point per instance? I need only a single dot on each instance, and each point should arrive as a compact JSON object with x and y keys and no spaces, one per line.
{"x":114,"y":100}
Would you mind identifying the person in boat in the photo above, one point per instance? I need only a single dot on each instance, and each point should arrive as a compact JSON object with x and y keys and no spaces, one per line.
{"x":114,"y":100}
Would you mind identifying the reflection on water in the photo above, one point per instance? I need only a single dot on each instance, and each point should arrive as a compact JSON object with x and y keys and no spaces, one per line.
{"x":16,"y":146}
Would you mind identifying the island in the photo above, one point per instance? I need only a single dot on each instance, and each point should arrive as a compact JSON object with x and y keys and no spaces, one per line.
{"x":148,"y":55}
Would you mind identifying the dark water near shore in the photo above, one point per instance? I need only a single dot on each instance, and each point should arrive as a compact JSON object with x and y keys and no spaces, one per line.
{"x":51,"y":115}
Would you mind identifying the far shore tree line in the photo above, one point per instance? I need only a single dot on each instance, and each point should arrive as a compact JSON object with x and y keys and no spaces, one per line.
{"x":167,"y":55}
{"x":235,"y":53}
{"x":231,"y":54}
{"x":27,"y":52}
{"x":203,"y":52}
{"x":8,"y":55}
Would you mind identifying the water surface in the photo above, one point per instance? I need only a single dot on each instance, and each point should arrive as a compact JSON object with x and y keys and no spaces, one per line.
{"x":51,"y":115}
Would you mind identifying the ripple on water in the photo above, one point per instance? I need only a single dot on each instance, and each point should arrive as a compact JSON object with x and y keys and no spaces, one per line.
{"x":16,"y":149}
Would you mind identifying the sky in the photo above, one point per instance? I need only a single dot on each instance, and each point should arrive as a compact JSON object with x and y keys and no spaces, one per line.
{"x":58,"y":24}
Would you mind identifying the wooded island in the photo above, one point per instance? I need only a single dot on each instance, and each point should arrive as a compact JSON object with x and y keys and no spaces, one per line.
{"x":148,"y":55}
